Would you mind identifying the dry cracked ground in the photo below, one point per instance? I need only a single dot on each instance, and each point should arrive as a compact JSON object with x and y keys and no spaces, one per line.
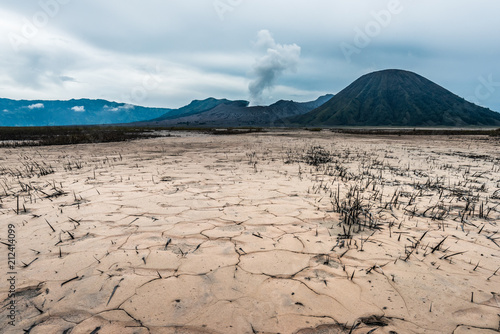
{"x":293,"y":232}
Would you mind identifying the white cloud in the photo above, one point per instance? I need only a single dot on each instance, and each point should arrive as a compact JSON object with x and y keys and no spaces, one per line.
{"x":78,"y":108}
{"x":36,"y":106}
{"x":125,"y":107}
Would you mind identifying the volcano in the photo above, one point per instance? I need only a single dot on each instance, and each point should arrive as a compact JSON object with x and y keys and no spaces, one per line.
{"x":397,"y":98}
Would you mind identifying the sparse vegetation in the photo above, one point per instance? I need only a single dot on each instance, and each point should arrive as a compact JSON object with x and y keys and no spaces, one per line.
{"x":418,"y":131}
{"x":42,"y":136}
{"x":317,"y":155}
{"x":315,"y":217}
{"x":71,"y":135}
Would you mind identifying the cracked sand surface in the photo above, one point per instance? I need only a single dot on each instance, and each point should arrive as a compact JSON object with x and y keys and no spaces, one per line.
{"x":237,"y":234}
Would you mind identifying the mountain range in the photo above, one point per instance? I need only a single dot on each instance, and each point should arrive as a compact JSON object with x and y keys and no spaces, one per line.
{"x":208,"y":112}
{"x":383,"y":98}
{"x":72,"y":112}
{"x":212,"y":112}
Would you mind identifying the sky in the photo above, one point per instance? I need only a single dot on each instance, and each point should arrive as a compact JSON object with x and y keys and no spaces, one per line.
{"x":165,"y":53}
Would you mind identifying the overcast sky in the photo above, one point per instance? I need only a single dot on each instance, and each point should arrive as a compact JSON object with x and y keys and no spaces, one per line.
{"x":169,"y":52}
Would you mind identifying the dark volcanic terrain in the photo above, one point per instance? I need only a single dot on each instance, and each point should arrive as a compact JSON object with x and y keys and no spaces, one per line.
{"x":227,"y":113}
{"x":397,"y":98}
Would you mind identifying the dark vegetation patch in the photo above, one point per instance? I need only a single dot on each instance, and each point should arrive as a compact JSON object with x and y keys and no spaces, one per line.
{"x":419,"y":131}
{"x":70,"y":135}
{"x":317,"y":155}
{"x":40,"y":136}
{"x":231,"y":131}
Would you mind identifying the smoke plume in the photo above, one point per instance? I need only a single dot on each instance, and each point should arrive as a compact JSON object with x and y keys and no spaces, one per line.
{"x":278,"y":59}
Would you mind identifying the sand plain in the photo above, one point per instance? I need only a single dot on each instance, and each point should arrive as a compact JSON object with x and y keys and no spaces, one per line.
{"x":282,"y":232}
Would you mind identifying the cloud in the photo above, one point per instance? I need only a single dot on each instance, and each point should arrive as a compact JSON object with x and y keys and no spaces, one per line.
{"x":125,"y":107}
{"x":36,"y":106}
{"x":278,"y":59}
{"x":67,"y":78}
{"x":115,"y":58}
{"x":78,"y":108}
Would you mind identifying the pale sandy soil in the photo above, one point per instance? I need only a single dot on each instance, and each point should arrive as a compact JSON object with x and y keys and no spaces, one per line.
{"x":238,"y":234}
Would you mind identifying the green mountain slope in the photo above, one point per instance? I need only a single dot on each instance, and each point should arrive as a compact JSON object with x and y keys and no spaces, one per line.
{"x":397,"y":98}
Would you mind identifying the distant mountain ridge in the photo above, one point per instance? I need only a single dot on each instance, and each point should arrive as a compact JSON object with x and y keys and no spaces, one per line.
{"x":72,"y":112}
{"x":397,"y":98}
{"x":196,"y":107}
{"x":209,"y":112}
{"x":225,"y":113}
